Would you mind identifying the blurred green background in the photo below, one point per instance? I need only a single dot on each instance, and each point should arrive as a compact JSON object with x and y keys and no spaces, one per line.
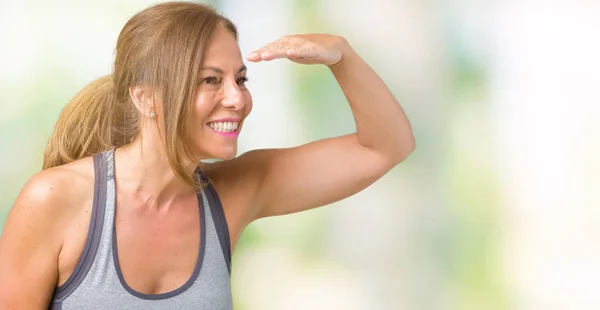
{"x":496,"y":209}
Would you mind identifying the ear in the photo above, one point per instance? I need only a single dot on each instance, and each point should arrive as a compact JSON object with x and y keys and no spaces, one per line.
{"x":143,"y":99}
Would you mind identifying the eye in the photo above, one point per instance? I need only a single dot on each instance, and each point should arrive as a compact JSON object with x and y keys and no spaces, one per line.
{"x":210,"y":80}
{"x":242,"y":81}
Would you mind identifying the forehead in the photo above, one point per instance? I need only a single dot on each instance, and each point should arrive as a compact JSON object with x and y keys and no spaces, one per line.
{"x":223,"y":50}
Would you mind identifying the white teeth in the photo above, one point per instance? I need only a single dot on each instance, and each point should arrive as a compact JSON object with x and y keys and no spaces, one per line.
{"x":224,"y":126}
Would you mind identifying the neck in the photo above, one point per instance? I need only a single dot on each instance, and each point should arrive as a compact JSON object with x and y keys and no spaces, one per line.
{"x":144,"y":172}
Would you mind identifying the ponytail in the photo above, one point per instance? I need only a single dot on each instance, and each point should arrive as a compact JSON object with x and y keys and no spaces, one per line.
{"x":85,"y":126}
{"x":161,"y":47}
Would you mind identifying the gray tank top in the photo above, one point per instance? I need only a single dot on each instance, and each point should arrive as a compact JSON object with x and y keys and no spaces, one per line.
{"x":97,"y":281}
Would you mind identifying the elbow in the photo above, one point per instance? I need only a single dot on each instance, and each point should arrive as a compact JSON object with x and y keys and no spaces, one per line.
{"x":402,"y":149}
{"x":392,"y":150}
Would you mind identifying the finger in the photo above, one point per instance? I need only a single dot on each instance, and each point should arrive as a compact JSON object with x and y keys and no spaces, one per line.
{"x":254,"y":57}
{"x":285,"y":47}
{"x":268,"y":52}
{"x":275,"y":52}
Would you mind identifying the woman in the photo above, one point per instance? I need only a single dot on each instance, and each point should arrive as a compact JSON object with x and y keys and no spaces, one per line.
{"x":124,"y":216}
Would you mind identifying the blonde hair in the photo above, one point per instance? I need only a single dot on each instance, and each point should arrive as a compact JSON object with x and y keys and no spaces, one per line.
{"x":161,"y":47}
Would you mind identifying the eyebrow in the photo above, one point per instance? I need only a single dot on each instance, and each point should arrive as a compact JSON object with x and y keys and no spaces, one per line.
{"x":219,"y":70}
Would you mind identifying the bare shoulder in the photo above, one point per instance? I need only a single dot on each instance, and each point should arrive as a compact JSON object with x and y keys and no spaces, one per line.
{"x":49,"y":195}
{"x":53,"y":190}
{"x":35,"y":232}
{"x":239,"y":176}
{"x":239,"y":167}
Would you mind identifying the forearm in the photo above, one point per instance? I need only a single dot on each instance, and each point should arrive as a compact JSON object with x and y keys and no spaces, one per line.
{"x":381,"y":123}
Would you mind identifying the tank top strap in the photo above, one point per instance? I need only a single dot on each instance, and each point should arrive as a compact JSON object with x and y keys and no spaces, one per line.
{"x":92,"y":242}
{"x":218,"y":215}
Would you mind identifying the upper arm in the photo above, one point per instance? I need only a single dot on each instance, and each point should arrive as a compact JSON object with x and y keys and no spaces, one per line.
{"x":29,"y":246}
{"x":315,"y":174}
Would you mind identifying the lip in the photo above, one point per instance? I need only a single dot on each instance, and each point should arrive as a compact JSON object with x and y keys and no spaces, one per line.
{"x":227,"y":134}
{"x":234,"y":134}
{"x":226,"y":119}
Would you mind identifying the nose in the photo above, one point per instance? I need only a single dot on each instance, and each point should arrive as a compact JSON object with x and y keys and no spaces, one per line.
{"x":232,"y":96}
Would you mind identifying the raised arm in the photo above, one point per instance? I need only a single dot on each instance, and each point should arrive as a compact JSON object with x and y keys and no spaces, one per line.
{"x":328,"y":170}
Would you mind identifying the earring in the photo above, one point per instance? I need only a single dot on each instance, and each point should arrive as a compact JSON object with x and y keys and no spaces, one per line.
{"x":152,"y":114}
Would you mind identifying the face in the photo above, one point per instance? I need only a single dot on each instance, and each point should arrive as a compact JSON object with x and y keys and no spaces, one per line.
{"x":221,"y":100}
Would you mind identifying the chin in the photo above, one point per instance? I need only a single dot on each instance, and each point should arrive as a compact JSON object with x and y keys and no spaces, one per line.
{"x":209,"y":147}
{"x":227,"y":156}
{"x":222,"y":154}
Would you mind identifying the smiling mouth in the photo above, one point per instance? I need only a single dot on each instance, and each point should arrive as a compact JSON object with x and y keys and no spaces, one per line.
{"x":229,"y":129}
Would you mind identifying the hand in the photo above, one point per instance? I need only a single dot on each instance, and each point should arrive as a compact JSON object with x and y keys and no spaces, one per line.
{"x":304,"y":49}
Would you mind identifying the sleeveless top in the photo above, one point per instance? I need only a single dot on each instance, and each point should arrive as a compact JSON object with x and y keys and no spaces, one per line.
{"x":97,"y":281}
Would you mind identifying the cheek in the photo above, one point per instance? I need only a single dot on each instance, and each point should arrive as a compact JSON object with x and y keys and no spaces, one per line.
{"x":249,"y":103}
{"x":203,"y":106}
